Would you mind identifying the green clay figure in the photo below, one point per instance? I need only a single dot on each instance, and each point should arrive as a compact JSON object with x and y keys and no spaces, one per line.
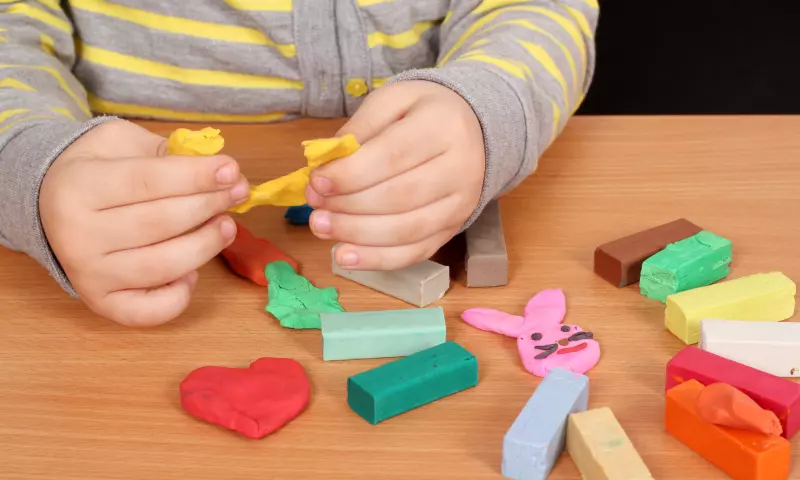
{"x":294,"y":301}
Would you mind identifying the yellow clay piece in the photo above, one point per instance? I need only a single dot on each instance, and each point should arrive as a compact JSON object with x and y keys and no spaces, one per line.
{"x":203,"y":142}
{"x":760,"y":297}
{"x":290,"y":190}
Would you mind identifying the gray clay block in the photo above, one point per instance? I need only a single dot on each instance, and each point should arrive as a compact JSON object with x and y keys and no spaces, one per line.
{"x":419,"y":285}
{"x":487,"y":258}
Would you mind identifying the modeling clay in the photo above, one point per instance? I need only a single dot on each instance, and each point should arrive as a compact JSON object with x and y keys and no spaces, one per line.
{"x":760,"y":297}
{"x":620,"y":262}
{"x":420,"y":284}
{"x":294,"y":301}
{"x":386,"y":333}
{"x":742,"y":454}
{"x":298,"y":215}
{"x":411,"y":382}
{"x":537,"y":437}
{"x":253,"y":401}
{"x":487,"y":257}
{"x":776,"y":394}
{"x":290,"y":190}
{"x":543,"y":342}
{"x":772,"y":347}
{"x":183,"y":141}
{"x":694,"y":262}
{"x":600,"y":448}
{"x":248,"y":256}
{"x":722,"y":404}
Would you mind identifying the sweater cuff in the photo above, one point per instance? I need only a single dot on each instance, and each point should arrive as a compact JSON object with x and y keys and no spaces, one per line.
{"x":25,"y":160}
{"x":502,"y":119}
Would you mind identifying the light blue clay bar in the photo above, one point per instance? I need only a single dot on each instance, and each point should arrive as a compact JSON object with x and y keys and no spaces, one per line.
{"x":538,"y":436}
{"x":381,"y":334}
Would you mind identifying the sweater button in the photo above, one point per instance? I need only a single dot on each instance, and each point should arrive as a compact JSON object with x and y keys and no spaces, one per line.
{"x":356,"y":87}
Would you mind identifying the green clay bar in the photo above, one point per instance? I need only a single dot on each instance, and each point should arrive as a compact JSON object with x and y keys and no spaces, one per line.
{"x":411,"y":382}
{"x":694,"y":262}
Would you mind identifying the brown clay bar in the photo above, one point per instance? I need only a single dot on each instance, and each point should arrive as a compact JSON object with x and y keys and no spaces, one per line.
{"x":620,"y":261}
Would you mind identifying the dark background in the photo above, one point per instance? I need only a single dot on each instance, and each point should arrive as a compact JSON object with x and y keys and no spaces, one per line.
{"x":696,"y":57}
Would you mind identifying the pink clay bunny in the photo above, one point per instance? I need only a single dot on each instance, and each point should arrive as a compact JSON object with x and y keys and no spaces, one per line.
{"x":543,"y":342}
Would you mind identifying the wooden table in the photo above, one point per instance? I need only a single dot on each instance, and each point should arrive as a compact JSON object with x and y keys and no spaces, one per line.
{"x":85,"y":399}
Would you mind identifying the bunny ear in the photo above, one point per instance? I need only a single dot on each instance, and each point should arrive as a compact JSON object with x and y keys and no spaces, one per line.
{"x":547,"y":307}
{"x":493,"y":321}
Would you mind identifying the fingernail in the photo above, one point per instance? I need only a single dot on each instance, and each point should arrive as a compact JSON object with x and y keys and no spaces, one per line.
{"x":240,"y":191}
{"x":313,"y":199}
{"x":227,"y":228}
{"x":226,"y":174}
{"x":349,"y":259}
{"x":321,"y":222}
{"x":322,"y":185}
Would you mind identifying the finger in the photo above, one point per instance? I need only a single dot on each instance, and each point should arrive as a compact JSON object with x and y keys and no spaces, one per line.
{"x":150,"y":307}
{"x":391,"y":153}
{"x":408,"y":191}
{"x":379,"y":109}
{"x":153,"y":222}
{"x":358,"y":257}
{"x":165,"y":262}
{"x":386,"y":230}
{"x":126,"y":181}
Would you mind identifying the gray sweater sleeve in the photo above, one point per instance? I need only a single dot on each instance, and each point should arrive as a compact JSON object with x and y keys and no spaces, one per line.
{"x":523,"y":67}
{"x":42,"y":110}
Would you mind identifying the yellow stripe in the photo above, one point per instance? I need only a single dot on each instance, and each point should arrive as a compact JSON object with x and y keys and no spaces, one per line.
{"x":367,"y":3}
{"x":189,"y":76}
{"x":63,"y":111}
{"x":261,"y":5}
{"x":51,"y":4}
{"x":10,"y":113}
{"x":487,"y":5}
{"x":40,"y":15}
{"x":14,"y":83}
{"x":123,"y":110}
{"x":568,"y":26}
{"x":593,"y":4}
{"x":379,"y":82}
{"x":13,"y":124}
{"x":447,"y":17}
{"x":541,"y":55}
{"x":581,"y":20}
{"x":48,"y":44}
{"x":183,"y":26}
{"x":399,"y":40}
{"x":61,"y":82}
{"x":2,"y":38}
{"x":508,"y":66}
{"x":536,"y":28}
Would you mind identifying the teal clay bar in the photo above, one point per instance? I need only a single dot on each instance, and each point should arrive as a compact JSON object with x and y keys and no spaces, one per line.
{"x":693,"y":262}
{"x":294,"y":301}
{"x":410,"y":382}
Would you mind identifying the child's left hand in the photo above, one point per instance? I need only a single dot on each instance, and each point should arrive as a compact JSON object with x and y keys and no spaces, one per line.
{"x":410,"y":187}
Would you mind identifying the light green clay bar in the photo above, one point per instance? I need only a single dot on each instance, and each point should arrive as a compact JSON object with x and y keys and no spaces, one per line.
{"x":388,"y":333}
{"x":294,"y":301}
{"x":693,"y":262}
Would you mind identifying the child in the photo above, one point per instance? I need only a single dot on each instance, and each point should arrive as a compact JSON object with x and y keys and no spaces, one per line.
{"x":471,"y":93}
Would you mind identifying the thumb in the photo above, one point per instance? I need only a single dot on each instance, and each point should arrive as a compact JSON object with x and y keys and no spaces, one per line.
{"x":380,"y":109}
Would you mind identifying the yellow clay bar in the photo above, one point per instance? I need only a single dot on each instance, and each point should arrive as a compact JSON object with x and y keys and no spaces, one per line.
{"x":290,"y":190}
{"x":183,"y":141}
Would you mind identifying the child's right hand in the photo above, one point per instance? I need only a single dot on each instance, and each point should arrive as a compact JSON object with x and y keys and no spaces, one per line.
{"x":130,"y":225}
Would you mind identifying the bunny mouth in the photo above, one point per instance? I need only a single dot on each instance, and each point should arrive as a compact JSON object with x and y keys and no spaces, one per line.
{"x":576,"y":348}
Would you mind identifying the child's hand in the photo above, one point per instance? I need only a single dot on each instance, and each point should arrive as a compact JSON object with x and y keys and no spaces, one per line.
{"x":131,"y":226}
{"x":416,"y":179}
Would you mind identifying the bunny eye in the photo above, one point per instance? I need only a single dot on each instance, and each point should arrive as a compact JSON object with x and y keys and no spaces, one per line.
{"x":565,"y":328}
{"x":536,"y":336}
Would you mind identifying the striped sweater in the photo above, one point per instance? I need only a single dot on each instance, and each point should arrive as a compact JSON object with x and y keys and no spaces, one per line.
{"x":522,"y":65}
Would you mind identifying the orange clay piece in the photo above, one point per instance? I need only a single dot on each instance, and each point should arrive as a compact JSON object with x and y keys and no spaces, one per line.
{"x":742,"y":454}
{"x":249,"y":255}
{"x":724,"y":404}
{"x":187,"y":142}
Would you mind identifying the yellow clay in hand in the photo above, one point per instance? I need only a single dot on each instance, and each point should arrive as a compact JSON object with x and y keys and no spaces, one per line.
{"x":290,"y":190}
{"x":183,"y":141}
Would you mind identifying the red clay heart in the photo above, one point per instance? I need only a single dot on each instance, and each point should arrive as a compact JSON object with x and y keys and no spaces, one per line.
{"x":254,"y":401}
{"x":249,"y":255}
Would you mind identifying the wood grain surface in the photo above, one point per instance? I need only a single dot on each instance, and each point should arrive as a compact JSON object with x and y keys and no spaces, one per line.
{"x":81,"y":398}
